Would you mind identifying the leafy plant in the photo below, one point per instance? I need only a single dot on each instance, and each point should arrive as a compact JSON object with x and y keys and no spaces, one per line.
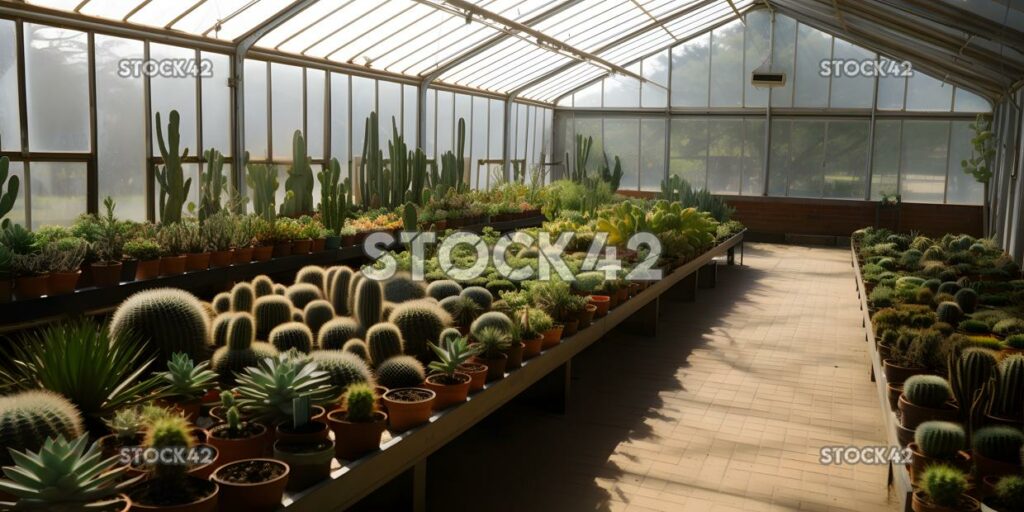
{"x":187,"y":380}
{"x":142,"y":249}
{"x":452,"y":353}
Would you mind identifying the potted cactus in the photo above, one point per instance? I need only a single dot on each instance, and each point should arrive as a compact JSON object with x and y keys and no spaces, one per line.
{"x":935,"y":442}
{"x":266,"y":391}
{"x":304,"y":446}
{"x":924,"y":398}
{"x":1008,"y":495}
{"x":187,"y":382}
{"x":587,"y":284}
{"x":171,"y":485}
{"x":27,"y":262}
{"x":197,"y":253}
{"x":532,"y":324}
{"x":127,"y":428}
{"x":236,"y":439}
{"x":146,"y":253}
{"x":65,"y":256}
{"x":252,"y":485}
{"x":407,"y":402}
{"x":359,"y":424}
{"x":218,"y":236}
{"x":108,"y":245}
{"x":65,"y":476}
{"x":996,"y":451}
{"x":450,"y":384}
{"x":174,"y":241}
{"x":942,"y":489}
{"x":491,"y":343}
{"x":1006,"y":406}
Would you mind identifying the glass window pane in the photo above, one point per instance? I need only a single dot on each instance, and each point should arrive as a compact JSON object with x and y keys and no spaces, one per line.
{"x":589,"y":96}
{"x":431,"y":111}
{"x":256,"y":109}
{"x":727,"y":65}
{"x":891,"y":89}
{"x":445,"y":111}
{"x":478,"y":142}
{"x":622,"y":138}
{"x":120,"y":127}
{"x":923,"y":172}
{"x":409,"y":116}
{"x":621,"y":91}
{"x":655,"y":68}
{"x":961,"y":188}
{"x":521,"y":131}
{"x":852,"y":91}
{"x":390,"y":105}
{"x":57,"y":196}
{"x":57,"y":78}
{"x":286,"y":108}
{"x":17,"y":214}
{"x":725,"y":154}
{"x":688,"y":150}
{"x":967,"y":101}
{"x":690,"y":73}
{"x":807,"y":158}
{"x":339,"y":119}
{"x":783,"y":53}
{"x":756,"y":46}
{"x":364,"y":100}
{"x":497,"y":122}
{"x":216,"y":104}
{"x":652,"y":153}
{"x":813,"y":46}
{"x":846,"y":159}
{"x":463,"y":110}
{"x":168,"y":93}
{"x":315,"y":108}
{"x":885,"y":164}
{"x":753,"y":156}
{"x":10,"y":123}
{"x":591,"y":127}
{"x":925,"y":93}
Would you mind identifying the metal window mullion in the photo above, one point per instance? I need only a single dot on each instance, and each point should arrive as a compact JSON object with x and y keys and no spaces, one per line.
{"x":147,"y":91}
{"x":328,"y":150}
{"x":945,"y":181}
{"x":824,"y":157}
{"x":832,"y":56}
{"x":23,"y":116}
{"x":899,"y":161}
{"x":871,"y":142}
{"x":199,"y":122}
{"x":351,"y":133}
{"x":305,"y":106}
{"x":270,"y":113}
{"x":92,"y":166}
{"x":711,"y":46}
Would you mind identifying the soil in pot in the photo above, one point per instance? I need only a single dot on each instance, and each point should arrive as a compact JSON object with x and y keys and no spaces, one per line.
{"x":250,"y":441}
{"x":62,"y":283}
{"x":532,"y":348}
{"x":252,"y":484}
{"x":922,"y":503}
{"x":353,"y":439}
{"x":477,"y":375}
{"x":450,"y":390}
{"x":191,"y":494}
{"x":308,"y":463}
{"x":408,"y":407}
{"x":145,"y":270}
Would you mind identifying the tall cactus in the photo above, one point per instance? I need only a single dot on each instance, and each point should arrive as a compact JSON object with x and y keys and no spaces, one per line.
{"x":262,"y":179}
{"x":612,"y":174}
{"x":371,"y":167}
{"x":299,"y":184}
{"x":453,"y":165}
{"x":969,"y":374}
{"x":335,"y":196}
{"x":7,"y":198}
{"x":211,"y":184}
{"x":576,"y":170}
{"x":171,"y":177}
{"x":398,"y":176}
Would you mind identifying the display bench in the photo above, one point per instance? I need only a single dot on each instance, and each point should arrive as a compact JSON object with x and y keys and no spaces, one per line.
{"x":899,"y":475}
{"x":351,"y":482}
{"x":22,"y":314}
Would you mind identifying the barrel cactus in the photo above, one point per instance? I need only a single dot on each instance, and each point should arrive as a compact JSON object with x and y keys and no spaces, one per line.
{"x":386,"y":308}
{"x":280,"y":289}
{"x":29,"y":418}
{"x":998,"y":443}
{"x":949,"y":312}
{"x":169,"y":320}
{"x":401,"y":288}
{"x":335,"y":333}
{"x":449,"y":333}
{"x":344,"y":368}
{"x":949,"y":287}
{"x":480,"y":295}
{"x":358,"y":347}
{"x":338,"y":290}
{"x":241,"y":351}
{"x":311,"y":274}
{"x":220,"y":329}
{"x":929,"y":391}
{"x":1009,"y":492}
{"x":940,"y":439}
{"x":944,"y":484}
{"x":262,"y":285}
{"x":270,"y":311}
{"x":968,"y":373}
{"x":291,"y":335}
{"x":222,"y":302}
{"x":1007,"y":401}
{"x":242,"y":297}
{"x":492,"y":319}
{"x":303,"y":293}
{"x":421,"y":323}
{"x":368,"y":301}
{"x":967,"y":299}
{"x":316,"y":314}
{"x":400,"y":372}
{"x":443,"y":289}
{"x":384,"y":341}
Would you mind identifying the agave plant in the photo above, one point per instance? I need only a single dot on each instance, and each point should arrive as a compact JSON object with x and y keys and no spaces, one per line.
{"x":127,"y":424}
{"x":492,"y":341}
{"x":79,"y":360}
{"x":266,"y":391}
{"x":187,"y":380}
{"x":453,"y":352}
{"x":64,"y":477}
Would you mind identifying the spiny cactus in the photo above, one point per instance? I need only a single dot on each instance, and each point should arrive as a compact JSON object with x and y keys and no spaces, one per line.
{"x":1010,"y":492}
{"x":401,"y":288}
{"x":944,"y":484}
{"x":169,"y":320}
{"x":998,"y":443}
{"x":329,"y":273}
{"x":368,"y":301}
{"x":241,"y":351}
{"x":967,"y":299}
{"x":211,"y":184}
{"x":492,"y":319}
{"x":291,"y":335}
{"x":360,"y":402}
{"x":335,"y":333}
{"x":172,"y":432}
{"x":242,"y":297}
{"x":222,"y":302}
{"x":421,"y":323}
{"x":384,"y":341}
{"x":262,"y":285}
{"x":358,"y":347}
{"x":949,"y":312}
{"x":316,"y":314}
{"x":171,"y":176}
{"x":353,"y":285}
{"x":927,"y":391}
{"x":968,"y":374}
{"x":338,"y":290}
{"x":386,"y":308}
{"x":220,"y":329}
{"x":280,"y":289}
{"x":1007,"y":399}
{"x":463,"y":310}
{"x":303,"y":293}
{"x":270,"y":311}
{"x":299,"y":184}
{"x":940,"y":439}
{"x":400,"y":372}
{"x":344,"y":368}
{"x":444,"y":288}
{"x":29,"y":418}
{"x":311,"y":274}
{"x":298,"y":316}
{"x":448,"y":333}
{"x":7,"y":197}
{"x":949,"y":287}
{"x":480,"y":295}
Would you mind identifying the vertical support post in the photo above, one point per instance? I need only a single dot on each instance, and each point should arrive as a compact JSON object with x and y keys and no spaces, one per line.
{"x":237,"y":84}
{"x":707,"y":276}
{"x":507,"y":137}
{"x":683,"y":291}
{"x":419,"y":486}
{"x":645,"y":321}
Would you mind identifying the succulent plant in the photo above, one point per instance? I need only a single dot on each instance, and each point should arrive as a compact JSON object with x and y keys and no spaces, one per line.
{"x":968,"y":373}
{"x":29,"y":418}
{"x":480,"y":295}
{"x":338,"y":290}
{"x":369,"y":298}
{"x":344,"y":368}
{"x":383,"y":342}
{"x":400,"y":372}
{"x":242,"y":297}
{"x":451,"y":353}
{"x":316,"y":314}
{"x":493,"y":319}
{"x":967,"y":299}
{"x":929,"y":391}
{"x":262,"y":286}
{"x":358,"y":347}
{"x":532,"y":322}
{"x":187,"y":380}
{"x":401,"y":288}
{"x":940,"y":439}
{"x":220,"y":329}
{"x":291,"y":335}
{"x":168,"y":320}
{"x":266,"y":391}
{"x":222,"y":302}
{"x":270,"y":311}
{"x":301,"y":294}
{"x":335,"y":333}
{"x":1007,"y":400}
{"x":949,"y":312}
{"x":444,"y":288}
{"x":360,"y":402}
{"x":1010,"y":492}
{"x":998,"y":443}
{"x":944,"y":485}
{"x":311,"y":274}
{"x":127,"y":424}
{"x":241,"y":351}
{"x":492,"y":341}
{"x":463,"y":310}
{"x":421,"y":323}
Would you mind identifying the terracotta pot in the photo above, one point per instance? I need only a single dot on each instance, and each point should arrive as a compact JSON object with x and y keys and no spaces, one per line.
{"x":262,"y":496}
{"x":919,"y":461}
{"x":448,"y":395}
{"x":477,"y":375}
{"x":205,"y":504}
{"x":634,"y":289}
{"x":63,"y":283}
{"x":232,"y":450}
{"x":586,"y":317}
{"x":241,"y":255}
{"x":495,"y":367}
{"x":310,"y":433}
{"x":403,"y":415}
{"x":348,"y":240}
{"x":145,"y":270}
{"x":623,"y":294}
{"x":912,"y":415}
{"x":283,"y":249}
{"x":532,"y":347}
{"x":172,"y":265}
{"x":353,"y":439}
{"x":905,"y":436}
{"x":309,"y":464}
{"x":552,"y":336}
{"x":893,"y":392}
{"x":379,"y":391}
{"x":571,"y":327}
{"x":5,"y":290}
{"x":993,"y":467}
{"x":31,"y":287}
{"x":601,"y":302}
{"x":221,"y":259}
{"x":318,"y":244}
{"x":301,"y":246}
{"x":613,"y":301}
{"x":921,"y":503}
{"x":515,"y":356}
{"x":263,"y":252}
{"x":899,"y":374}
{"x":205,"y":470}
{"x":197,"y":261}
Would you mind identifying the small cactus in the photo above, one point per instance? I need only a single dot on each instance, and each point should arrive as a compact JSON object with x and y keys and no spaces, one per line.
{"x":949,"y":287}
{"x":401,"y":288}
{"x":168,"y":433}
{"x":369,"y":298}
{"x":292,"y":335}
{"x":262,"y":286}
{"x":1007,"y":400}
{"x":967,"y":299}
{"x":222,"y":302}
{"x":335,"y":333}
{"x":29,"y":418}
{"x":280,"y":289}
{"x":220,"y":329}
{"x":311,"y":274}
{"x":940,"y":439}
{"x":241,"y":350}
{"x":401,"y":372}
{"x":383,"y":342}
{"x":338,"y":290}
{"x":316,"y":314}
{"x":360,"y":403}
{"x":358,"y":347}
{"x":170,"y":320}
{"x":1010,"y":492}
{"x":949,"y":312}
{"x":929,"y":391}
{"x":443,"y":289}
{"x":270,"y":311}
{"x":944,"y":484}
{"x":242,"y":297}
{"x":303,"y":293}
{"x":344,"y":368}
{"x":493,"y":319}
{"x":998,"y":443}
{"x":480,"y":295}
{"x":421,"y":323}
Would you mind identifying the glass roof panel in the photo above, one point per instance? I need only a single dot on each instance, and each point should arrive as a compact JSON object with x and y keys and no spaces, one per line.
{"x":158,"y":13}
{"x":303,"y":20}
{"x":200,"y":16}
{"x":65,"y":5}
{"x":111,"y":9}
{"x":252,"y":15}
{"x":334,"y":31}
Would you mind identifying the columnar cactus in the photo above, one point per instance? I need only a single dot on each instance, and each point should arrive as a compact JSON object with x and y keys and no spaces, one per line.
{"x":29,"y":418}
{"x":968,"y":374}
{"x":949,"y":312}
{"x":299,"y":183}
{"x":311,"y":274}
{"x":998,"y":443}
{"x":303,"y":293}
{"x":480,"y":295}
{"x":1008,"y":401}
{"x":220,"y":329}
{"x":335,"y":333}
{"x":291,"y":335}
{"x":241,"y":351}
{"x":927,"y":391}
{"x":344,"y":368}
{"x":262,"y":285}
{"x":242,"y":297}
{"x":368,"y":301}
{"x":222,"y":302}
{"x":270,"y":311}
{"x":967,"y":299}
{"x":386,"y":308}
{"x":358,"y":347}
{"x":316,"y":314}
{"x":940,"y":439}
{"x":444,"y":288}
{"x":421,"y":322}
{"x":338,"y":287}
{"x":400,"y":372}
{"x":169,"y":320}
{"x":171,"y":177}
{"x":401,"y":288}
{"x":384,"y":341}
{"x":353,"y":286}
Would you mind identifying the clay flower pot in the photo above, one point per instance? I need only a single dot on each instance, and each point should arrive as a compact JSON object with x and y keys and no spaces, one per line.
{"x":893,"y":393}
{"x":552,"y":336}
{"x":515,"y":355}
{"x":571,"y":327}
{"x":318,"y":244}
{"x":235,"y":449}
{"x":919,"y":461}
{"x":622,"y":294}
{"x":221,"y":259}
{"x":310,"y":433}
{"x":283,"y":249}
{"x":921,"y":503}
{"x":197,"y":261}
{"x":242,"y":255}
{"x":601,"y":302}
{"x":308,"y":463}
{"x":348,"y":240}
{"x":31,"y":287}
{"x":301,"y":246}
{"x":408,"y":407}
{"x":206,"y":503}
{"x":205,"y":470}
{"x":62,"y":283}
{"x":912,"y":415}
{"x":448,"y":394}
{"x":353,"y":439}
{"x":5,"y":290}
{"x":477,"y":375}
{"x":495,"y":367}
{"x":586,"y":317}
{"x":145,"y":270}
{"x":532,"y":347}
{"x":899,"y":374}
{"x":172,"y":265}
{"x":263,"y":252}
{"x":255,"y":496}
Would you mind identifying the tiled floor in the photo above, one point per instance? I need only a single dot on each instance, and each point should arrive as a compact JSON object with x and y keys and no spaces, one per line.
{"x":725,"y":410}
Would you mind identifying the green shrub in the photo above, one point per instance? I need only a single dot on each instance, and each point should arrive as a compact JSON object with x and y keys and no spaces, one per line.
{"x":882,"y":297}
